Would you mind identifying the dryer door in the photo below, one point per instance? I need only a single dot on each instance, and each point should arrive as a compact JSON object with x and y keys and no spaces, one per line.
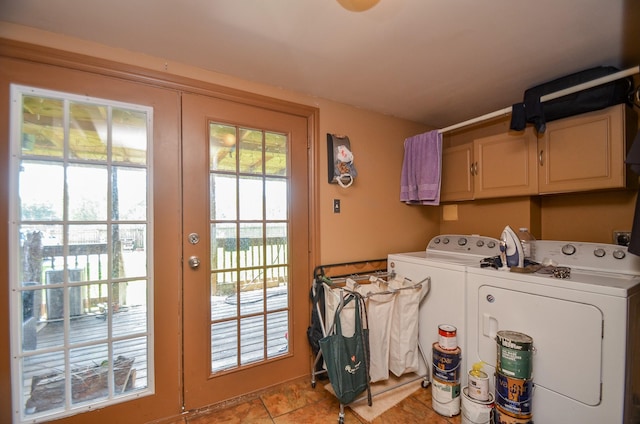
{"x":567,"y":337}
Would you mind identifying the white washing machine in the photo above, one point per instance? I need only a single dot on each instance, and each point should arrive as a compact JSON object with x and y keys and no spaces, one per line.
{"x":444,"y":261}
{"x":585,"y":330}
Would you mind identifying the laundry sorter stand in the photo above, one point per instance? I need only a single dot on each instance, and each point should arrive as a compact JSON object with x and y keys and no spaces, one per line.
{"x":333,"y":280}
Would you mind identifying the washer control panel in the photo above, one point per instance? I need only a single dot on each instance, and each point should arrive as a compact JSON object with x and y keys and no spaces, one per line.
{"x":470,"y":244}
{"x":593,"y":256}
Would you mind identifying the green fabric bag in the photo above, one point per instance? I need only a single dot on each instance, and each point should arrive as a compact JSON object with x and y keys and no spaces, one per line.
{"x":347,"y":358}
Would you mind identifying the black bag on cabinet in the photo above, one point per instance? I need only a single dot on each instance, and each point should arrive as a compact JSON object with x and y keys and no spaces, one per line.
{"x":531,"y":110}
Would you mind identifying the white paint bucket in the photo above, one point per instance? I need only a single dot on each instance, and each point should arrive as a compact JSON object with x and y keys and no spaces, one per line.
{"x":478,"y":385}
{"x":445,"y":397}
{"x":475,"y":411}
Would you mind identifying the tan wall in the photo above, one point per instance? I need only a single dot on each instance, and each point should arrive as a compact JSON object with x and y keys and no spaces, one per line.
{"x":591,"y":217}
{"x":373,"y":221}
{"x":587,"y":216}
{"x":489,"y":217}
{"x":372,"y":218}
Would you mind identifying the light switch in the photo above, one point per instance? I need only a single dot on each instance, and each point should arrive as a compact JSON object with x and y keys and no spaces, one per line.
{"x":336,"y":205}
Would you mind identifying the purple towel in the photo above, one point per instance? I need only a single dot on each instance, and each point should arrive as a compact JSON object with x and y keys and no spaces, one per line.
{"x":420,"y":181}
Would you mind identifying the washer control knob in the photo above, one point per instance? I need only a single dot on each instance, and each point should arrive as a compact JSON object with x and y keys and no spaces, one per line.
{"x":491,"y":244}
{"x":599,"y":252}
{"x":619,"y":254}
{"x":445,"y":240}
{"x":568,"y":249}
{"x":480,"y":243}
{"x":436,"y":240}
{"x":462,"y":241}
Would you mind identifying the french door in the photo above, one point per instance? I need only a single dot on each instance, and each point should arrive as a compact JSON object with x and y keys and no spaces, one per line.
{"x":245,"y":248}
{"x":231,"y":190}
{"x":93,"y":263}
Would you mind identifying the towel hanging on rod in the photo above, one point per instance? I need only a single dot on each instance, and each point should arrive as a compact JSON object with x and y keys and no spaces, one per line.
{"x":421,"y":169}
{"x":550,"y":96}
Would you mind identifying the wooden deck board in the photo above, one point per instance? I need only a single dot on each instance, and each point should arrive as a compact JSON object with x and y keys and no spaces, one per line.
{"x":130,"y":321}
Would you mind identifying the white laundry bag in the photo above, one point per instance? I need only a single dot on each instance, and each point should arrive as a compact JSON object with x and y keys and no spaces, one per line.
{"x":380,"y":304}
{"x":404,"y":356}
{"x":332,"y":298}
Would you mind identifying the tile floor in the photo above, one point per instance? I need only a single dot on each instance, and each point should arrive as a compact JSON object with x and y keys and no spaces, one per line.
{"x":297,"y":402}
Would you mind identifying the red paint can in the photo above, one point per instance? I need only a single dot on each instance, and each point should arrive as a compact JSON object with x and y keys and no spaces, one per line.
{"x":447,"y":338}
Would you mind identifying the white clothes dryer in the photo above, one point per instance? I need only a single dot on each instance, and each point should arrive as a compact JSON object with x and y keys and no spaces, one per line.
{"x":585,"y":330}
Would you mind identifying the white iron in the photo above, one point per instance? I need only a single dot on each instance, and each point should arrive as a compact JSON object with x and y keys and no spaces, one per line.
{"x":513,"y":248}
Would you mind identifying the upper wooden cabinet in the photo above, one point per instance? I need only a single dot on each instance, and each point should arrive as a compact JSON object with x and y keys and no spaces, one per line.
{"x":585,"y":152}
{"x":457,"y":173}
{"x":500,"y":165}
{"x":505,"y":165}
{"x":581,"y":153}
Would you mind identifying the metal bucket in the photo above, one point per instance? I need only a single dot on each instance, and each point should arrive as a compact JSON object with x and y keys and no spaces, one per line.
{"x":514,"y":354}
{"x":446,"y":364}
{"x":514,"y":395}
{"x":500,"y":416}
{"x":475,"y":411}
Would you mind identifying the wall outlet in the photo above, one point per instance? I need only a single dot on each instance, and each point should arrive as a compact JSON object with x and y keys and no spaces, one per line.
{"x":622,"y":238}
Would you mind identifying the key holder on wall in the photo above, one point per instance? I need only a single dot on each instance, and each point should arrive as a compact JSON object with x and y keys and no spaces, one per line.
{"x":341,"y":169}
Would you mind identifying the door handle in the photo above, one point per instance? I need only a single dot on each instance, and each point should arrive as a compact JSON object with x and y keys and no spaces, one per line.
{"x":194,"y":262}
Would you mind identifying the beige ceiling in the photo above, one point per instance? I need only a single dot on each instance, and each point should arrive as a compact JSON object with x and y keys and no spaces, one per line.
{"x":433,"y":61}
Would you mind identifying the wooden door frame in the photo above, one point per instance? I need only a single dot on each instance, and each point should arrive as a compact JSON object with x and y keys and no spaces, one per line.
{"x":35,"y":54}
{"x":202,"y":387}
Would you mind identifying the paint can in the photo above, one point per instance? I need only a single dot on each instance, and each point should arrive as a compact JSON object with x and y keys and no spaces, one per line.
{"x":446,"y":363}
{"x":500,"y":416}
{"x":475,"y":411}
{"x":445,"y":397}
{"x":478,"y":383}
{"x":447,"y":338}
{"x":514,"y":395}
{"x":514,"y":354}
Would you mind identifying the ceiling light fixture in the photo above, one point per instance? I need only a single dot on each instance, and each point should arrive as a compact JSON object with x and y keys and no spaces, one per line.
{"x":358,"y":5}
{"x":229,"y":140}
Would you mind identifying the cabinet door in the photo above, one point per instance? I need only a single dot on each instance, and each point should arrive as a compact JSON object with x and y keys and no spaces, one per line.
{"x":505,"y":165}
{"x":457,"y":180}
{"x":584,"y":152}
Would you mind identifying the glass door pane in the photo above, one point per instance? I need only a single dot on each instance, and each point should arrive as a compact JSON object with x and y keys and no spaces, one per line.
{"x":81,"y":276}
{"x":249,"y":287}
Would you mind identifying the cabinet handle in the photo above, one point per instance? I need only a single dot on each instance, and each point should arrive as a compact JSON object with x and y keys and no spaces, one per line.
{"x":475,"y":168}
{"x":471,"y":169}
{"x":540,"y":158}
